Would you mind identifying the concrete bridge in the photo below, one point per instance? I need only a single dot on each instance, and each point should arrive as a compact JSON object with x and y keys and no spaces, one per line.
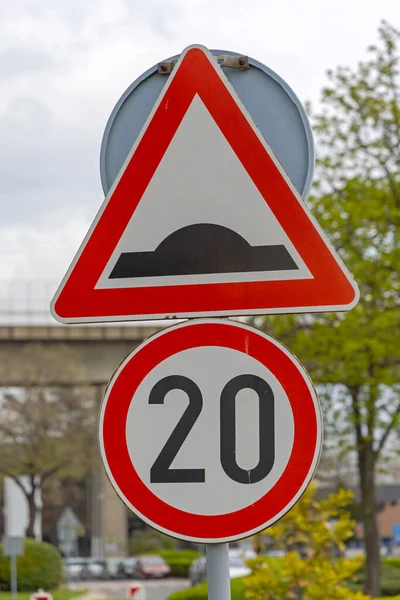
{"x":79,"y":355}
{"x":94,"y":352}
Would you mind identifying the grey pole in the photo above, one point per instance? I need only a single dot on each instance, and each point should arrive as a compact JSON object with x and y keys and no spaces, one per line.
{"x":67,"y":553}
{"x":14,"y":583}
{"x":219,"y":586}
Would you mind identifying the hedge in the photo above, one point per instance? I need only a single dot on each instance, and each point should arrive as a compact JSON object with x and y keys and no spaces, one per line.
{"x":59,"y":594}
{"x":393,"y":561}
{"x":179,"y":560}
{"x":238,"y":588}
{"x":199,"y":592}
{"x":390,"y":579}
{"x":39,"y":567}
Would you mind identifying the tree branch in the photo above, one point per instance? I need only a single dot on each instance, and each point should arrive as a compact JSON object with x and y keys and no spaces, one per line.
{"x":389,"y":362}
{"x":54,"y":470}
{"x":357,"y":415}
{"x":17,"y":481}
{"x":389,"y":429}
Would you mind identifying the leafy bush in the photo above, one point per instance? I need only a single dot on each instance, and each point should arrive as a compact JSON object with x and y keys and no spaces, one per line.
{"x":150,"y":540}
{"x":179,"y":560}
{"x":312,"y":533}
{"x":39,"y":567}
{"x":238,"y":590}
{"x":199,"y":592}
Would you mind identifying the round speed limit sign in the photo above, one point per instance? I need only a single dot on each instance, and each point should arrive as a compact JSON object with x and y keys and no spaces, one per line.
{"x":210,"y":430}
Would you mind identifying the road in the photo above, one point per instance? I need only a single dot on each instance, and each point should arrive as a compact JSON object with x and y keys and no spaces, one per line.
{"x":155,"y":590}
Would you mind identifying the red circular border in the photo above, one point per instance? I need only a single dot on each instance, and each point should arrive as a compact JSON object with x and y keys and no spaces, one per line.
{"x":113,"y":430}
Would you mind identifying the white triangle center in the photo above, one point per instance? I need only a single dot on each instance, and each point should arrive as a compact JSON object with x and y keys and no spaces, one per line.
{"x":200,"y":180}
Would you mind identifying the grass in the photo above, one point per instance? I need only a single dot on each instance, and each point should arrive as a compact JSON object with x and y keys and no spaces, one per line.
{"x":61,"y":594}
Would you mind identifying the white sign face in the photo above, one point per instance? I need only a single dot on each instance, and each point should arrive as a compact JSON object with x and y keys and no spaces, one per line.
{"x":221,"y":492}
{"x":41,"y":595}
{"x":210,"y":174}
{"x":210,"y":430}
{"x":136,"y":591}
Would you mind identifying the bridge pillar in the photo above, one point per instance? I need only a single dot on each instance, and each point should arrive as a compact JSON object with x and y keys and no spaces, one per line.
{"x":110,"y":518}
{"x":114,"y":522}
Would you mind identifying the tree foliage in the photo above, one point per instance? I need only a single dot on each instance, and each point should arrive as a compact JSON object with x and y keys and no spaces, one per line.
{"x":357,"y":202}
{"x":150,"y":540}
{"x":312,"y":533}
{"x":355,"y":357}
{"x":46,"y":430}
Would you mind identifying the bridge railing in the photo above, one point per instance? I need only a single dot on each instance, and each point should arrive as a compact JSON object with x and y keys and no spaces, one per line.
{"x":26,"y":302}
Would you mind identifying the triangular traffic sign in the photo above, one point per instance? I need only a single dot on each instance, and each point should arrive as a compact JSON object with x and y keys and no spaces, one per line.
{"x":202,"y":220}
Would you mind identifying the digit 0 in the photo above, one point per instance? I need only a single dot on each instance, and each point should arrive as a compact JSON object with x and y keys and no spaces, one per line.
{"x":266,"y":429}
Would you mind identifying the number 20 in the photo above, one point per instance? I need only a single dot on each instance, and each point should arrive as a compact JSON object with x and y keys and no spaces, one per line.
{"x":161,"y":472}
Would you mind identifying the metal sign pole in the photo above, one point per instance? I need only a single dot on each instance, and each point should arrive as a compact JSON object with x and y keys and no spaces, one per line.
{"x":67,"y":555}
{"x":13,"y":546}
{"x":14,"y":581}
{"x":219,"y":587}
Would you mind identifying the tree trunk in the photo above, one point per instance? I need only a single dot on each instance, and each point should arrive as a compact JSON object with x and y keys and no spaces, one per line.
{"x":366,"y":459}
{"x":30,"y":533}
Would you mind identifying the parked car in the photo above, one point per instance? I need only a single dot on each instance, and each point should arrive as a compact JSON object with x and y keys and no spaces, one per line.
{"x":115,"y":568}
{"x":93,"y":568}
{"x":151,"y":566}
{"x":129,"y":566}
{"x":198,"y":569}
{"x":83,"y":569}
{"x":120,"y":567}
{"x":243,"y":552}
{"x":73,"y":568}
{"x":237,"y":568}
{"x":78,"y":569}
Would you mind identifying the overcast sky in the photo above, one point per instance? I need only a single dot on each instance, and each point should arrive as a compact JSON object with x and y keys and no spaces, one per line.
{"x":65,"y":63}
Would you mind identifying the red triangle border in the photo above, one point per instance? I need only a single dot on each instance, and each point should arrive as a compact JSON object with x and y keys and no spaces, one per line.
{"x":332,"y":287}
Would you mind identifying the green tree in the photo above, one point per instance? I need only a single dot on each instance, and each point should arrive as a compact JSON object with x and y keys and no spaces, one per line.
{"x":312,"y":532}
{"x":355,"y":356}
{"x":150,"y":540}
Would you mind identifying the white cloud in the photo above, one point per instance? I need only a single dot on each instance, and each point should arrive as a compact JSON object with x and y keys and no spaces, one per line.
{"x":64,"y":64}
{"x":42,"y":252}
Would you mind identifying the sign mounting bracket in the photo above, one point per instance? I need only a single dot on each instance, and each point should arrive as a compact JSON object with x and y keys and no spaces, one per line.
{"x":224,"y":60}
